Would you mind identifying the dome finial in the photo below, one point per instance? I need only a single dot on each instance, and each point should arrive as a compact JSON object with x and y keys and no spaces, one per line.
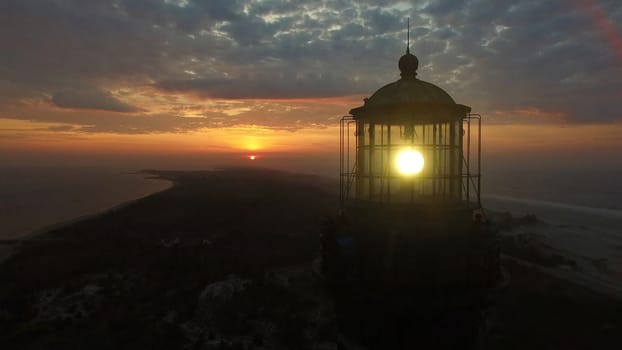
{"x":408,"y":63}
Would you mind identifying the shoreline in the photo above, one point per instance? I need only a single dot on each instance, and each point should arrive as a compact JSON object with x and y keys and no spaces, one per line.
{"x":592,"y":210}
{"x":144,"y":269}
{"x":66,"y":223}
{"x":10,"y":246}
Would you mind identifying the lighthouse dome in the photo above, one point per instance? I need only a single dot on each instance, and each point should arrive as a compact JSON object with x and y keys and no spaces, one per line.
{"x":410,"y":97}
{"x":410,"y":90}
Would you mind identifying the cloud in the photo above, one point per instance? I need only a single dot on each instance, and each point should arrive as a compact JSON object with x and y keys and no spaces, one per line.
{"x":545,"y":55}
{"x":269,"y":85}
{"x":91,"y":99}
{"x":112,"y":122}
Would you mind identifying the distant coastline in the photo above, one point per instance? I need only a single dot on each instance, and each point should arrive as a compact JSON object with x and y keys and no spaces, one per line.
{"x":67,"y":223}
{"x":593,"y":210}
{"x":10,"y":245}
{"x":35,"y":200}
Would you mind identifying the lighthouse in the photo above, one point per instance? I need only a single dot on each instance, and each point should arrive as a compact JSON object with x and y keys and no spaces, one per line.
{"x":410,"y":259}
{"x":411,"y":143}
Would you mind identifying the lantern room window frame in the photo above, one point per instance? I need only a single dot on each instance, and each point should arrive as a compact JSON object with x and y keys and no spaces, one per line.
{"x":451,"y":172}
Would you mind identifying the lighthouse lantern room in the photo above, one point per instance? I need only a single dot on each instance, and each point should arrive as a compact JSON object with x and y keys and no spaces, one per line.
{"x":410,"y":143}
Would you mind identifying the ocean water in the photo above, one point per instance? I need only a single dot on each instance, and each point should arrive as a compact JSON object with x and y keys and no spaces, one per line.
{"x":34,"y":198}
{"x":579,"y":216}
{"x":593,"y":187}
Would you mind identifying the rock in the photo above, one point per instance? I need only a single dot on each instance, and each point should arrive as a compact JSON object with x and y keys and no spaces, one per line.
{"x":529,"y":219}
{"x":277,"y":279}
{"x":224,"y":290}
{"x":52,"y":305}
{"x":266,"y":329}
{"x":325,"y":346}
{"x":91,"y":289}
{"x":171,"y":317}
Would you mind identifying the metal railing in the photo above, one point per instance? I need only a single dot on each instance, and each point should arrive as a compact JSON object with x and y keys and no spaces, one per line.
{"x":471,"y":160}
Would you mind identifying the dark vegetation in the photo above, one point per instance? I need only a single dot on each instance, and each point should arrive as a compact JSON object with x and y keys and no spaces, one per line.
{"x":150,"y":261}
{"x":221,"y":261}
{"x":538,"y":311}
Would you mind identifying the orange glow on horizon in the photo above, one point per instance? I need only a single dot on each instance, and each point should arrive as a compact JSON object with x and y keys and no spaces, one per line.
{"x":497,"y":139}
{"x":31,"y":137}
{"x":563,"y":139}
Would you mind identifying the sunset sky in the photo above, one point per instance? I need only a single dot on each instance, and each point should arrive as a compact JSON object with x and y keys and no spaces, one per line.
{"x":192,"y":84}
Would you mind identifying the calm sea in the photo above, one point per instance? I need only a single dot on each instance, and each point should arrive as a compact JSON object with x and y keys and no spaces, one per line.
{"x":34,"y":198}
{"x":579,"y":213}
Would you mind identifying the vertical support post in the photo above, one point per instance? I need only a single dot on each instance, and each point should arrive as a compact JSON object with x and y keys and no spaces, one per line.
{"x":452,"y":156}
{"x":357,"y":159}
{"x":412,"y":180}
{"x":341,"y":189}
{"x":370,"y":172}
{"x":348,"y":155}
{"x":468,"y":160}
{"x":382,"y":165}
{"x":423,"y":144}
{"x":479,"y":161}
{"x":434,"y":160}
{"x":389,"y":162}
